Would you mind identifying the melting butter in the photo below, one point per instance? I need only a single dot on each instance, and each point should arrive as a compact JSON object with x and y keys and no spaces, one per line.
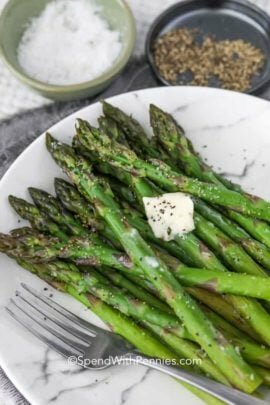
{"x":170,"y":215}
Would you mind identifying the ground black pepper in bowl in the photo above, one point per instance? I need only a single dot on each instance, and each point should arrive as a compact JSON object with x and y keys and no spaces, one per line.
{"x":230,"y":64}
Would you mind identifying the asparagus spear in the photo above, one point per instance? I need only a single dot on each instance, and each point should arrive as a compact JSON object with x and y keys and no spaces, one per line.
{"x":58,"y":213}
{"x":189,"y":249}
{"x":72,"y":200}
{"x":132,"y":285}
{"x":130,"y":126}
{"x":142,"y":256}
{"x":173,"y":342}
{"x":39,"y":248}
{"x":187,"y":349}
{"x":229,"y":314}
{"x":118,"y":279}
{"x":109,"y":127}
{"x":251,"y":351}
{"x":135,"y":289}
{"x":37,"y":219}
{"x":157,"y":171}
{"x":49,"y":204}
{"x":227,"y":282}
{"x":139,"y":337}
{"x":180,"y":149}
{"x":224,"y":308}
{"x":257,"y":353}
{"x":255,"y":249}
{"x":94,"y":283}
{"x":232,"y":253}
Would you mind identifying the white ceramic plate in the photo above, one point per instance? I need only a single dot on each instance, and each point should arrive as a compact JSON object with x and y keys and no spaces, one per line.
{"x":232,"y":131}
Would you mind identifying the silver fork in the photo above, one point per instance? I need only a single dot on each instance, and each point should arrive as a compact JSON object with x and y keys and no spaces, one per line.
{"x":92,"y":347}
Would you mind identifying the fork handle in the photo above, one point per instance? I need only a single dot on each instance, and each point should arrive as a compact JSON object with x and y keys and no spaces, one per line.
{"x":227,"y":394}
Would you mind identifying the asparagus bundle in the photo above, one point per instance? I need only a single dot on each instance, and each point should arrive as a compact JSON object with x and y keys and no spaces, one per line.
{"x":146,"y":278}
{"x":154,"y":270}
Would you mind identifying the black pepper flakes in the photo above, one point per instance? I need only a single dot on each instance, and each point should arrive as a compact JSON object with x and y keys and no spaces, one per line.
{"x":181,"y":59}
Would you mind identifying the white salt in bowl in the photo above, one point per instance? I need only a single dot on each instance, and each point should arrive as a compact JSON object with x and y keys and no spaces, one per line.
{"x":16,"y":16}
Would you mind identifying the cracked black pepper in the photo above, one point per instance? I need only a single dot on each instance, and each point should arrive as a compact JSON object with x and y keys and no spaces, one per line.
{"x":230,"y":64}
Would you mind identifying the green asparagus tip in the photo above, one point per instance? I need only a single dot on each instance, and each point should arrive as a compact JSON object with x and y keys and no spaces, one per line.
{"x":50,"y":141}
{"x":78,"y":123}
{"x":18,"y":204}
{"x":64,"y":155}
{"x":160,"y":118}
{"x":35,"y":192}
{"x":82,"y":125}
{"x":13,"y":200}
{"x":60,"y":184}
{"x":105,"y":105}
{"x":38,"y":195}
{"x":156,"y":112}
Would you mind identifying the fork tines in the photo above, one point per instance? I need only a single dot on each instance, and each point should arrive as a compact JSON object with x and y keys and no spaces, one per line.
{"x":51,"y":323}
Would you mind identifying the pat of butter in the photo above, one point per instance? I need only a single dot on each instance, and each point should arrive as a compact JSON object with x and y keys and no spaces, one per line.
{"x":169,"y":215}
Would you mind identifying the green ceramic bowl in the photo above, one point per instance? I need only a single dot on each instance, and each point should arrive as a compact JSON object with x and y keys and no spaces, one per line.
{"x":16,"y":15}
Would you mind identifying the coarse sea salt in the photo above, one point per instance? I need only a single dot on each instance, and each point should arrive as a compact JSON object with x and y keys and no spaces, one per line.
{"x":68,"y":43}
